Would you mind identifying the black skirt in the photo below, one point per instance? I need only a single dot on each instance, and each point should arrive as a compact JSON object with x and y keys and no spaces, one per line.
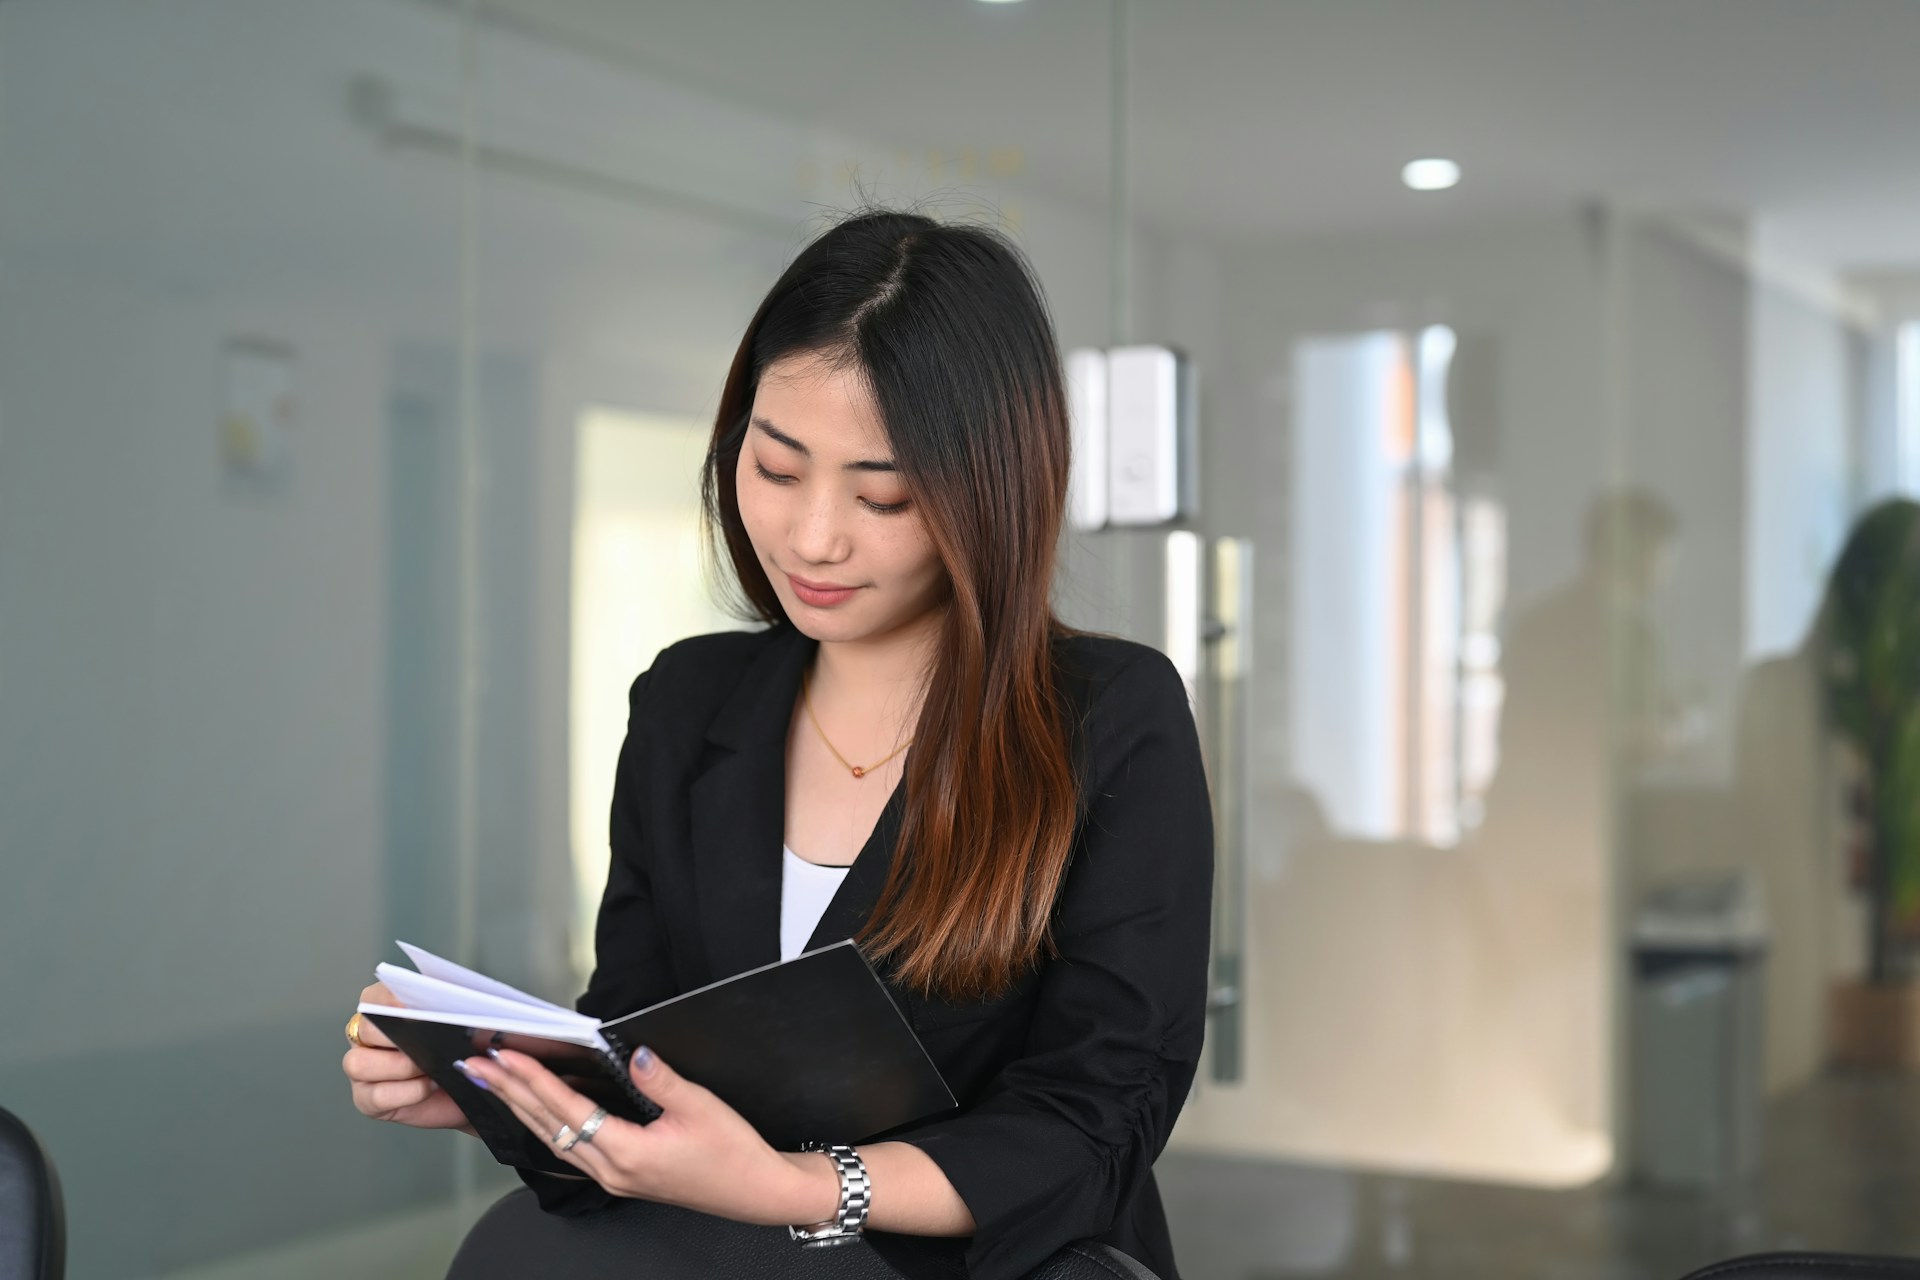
{"x":642,"y":1240}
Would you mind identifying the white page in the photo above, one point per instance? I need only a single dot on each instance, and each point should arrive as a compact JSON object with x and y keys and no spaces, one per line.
{"x":461,"y":976}
{"x":417,"y":991}
{"x":587,"y":1037}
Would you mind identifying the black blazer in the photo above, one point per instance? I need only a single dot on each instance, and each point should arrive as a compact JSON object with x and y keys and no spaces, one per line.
{"x":1070,"y":1083}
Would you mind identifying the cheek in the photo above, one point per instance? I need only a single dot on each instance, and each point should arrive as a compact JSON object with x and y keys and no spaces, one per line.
{"x":913,"y":561}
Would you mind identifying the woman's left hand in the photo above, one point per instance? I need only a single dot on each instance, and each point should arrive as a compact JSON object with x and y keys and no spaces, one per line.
{"x":700,"y":1154}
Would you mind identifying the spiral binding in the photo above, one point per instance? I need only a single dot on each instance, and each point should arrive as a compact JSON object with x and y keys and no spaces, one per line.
{"x":619,"y":1058}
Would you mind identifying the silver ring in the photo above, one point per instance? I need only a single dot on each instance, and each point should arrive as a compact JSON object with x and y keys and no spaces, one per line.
{"x":591,"y":1125}
{"x":565,"y":1139}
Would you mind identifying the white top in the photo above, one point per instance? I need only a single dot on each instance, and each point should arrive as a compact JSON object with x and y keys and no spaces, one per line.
{"x":805,"y":889}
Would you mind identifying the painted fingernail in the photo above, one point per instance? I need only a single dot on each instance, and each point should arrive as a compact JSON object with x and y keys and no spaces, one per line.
{"x":467,"y":1071}
{"x":494,"y":1054}
{"x":644,"y":1057}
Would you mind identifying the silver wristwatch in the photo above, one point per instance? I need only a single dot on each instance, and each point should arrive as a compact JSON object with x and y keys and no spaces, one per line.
{"x":856,"y":1197}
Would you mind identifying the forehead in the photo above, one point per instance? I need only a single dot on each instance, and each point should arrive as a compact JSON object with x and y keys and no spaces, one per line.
{"x":826,"y":407}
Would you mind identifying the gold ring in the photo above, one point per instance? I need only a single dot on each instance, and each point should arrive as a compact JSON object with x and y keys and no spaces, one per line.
{"x":353,"y":1031}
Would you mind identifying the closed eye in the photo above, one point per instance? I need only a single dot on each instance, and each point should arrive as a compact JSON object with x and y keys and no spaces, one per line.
{"x":878,"y":508}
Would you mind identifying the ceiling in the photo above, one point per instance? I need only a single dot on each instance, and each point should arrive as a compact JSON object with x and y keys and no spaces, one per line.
{"x":1251,"y":120}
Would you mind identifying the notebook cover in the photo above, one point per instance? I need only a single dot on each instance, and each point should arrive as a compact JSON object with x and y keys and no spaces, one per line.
{"x":811,"y":1048}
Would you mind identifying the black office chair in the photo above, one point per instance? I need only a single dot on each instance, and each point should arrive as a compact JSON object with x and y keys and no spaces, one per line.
{"x":33,"y":1222}
{"x":1810,"y":1266}
{"x":516,"y":1238}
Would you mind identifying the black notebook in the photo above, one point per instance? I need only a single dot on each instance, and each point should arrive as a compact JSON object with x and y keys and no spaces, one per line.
{"x":813,"y":1047}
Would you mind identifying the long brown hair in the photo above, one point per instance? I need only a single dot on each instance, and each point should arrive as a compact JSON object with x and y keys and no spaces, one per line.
{"x":951,"y":333}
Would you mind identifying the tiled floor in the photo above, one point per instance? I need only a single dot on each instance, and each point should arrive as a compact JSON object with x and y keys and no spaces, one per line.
{"x":1842,"y":1172}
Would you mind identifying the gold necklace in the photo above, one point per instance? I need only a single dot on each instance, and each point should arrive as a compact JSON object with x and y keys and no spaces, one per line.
{"x":858,"y":770}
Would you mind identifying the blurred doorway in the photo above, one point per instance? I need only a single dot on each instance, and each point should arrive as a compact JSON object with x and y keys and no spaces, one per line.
{"x":639,"y":584}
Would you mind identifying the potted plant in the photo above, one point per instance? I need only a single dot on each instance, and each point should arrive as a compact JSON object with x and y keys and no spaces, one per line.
{"x":1871,"y":672}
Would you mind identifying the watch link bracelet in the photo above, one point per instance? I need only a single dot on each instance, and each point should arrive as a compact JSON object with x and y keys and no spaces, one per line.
{"x":856,"y":1197}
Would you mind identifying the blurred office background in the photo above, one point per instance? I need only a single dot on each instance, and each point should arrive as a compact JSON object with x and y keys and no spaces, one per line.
{"x":355,"y":363}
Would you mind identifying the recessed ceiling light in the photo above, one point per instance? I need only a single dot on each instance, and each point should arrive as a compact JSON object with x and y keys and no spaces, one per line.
{"x":1431,"y":174}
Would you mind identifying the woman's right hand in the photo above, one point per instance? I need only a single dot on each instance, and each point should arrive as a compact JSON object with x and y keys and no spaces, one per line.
{"x":386,"y":1083}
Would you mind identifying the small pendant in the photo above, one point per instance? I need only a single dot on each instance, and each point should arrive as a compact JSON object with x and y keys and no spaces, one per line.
{"x":858,"y":772}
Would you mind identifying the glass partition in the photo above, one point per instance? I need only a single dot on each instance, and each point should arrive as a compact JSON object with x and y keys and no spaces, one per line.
{"x":214,"y":818}
{"x":1577,"y":873}
{"x":355,"y":365}
{"x":1545,"y":606}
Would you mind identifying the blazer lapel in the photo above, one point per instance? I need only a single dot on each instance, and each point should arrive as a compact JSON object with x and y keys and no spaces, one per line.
{"x":738,"y":811}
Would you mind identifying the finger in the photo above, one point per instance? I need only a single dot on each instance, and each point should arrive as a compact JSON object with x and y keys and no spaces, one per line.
{"x":513,"y":1091}
{"x":368,"y":1065}
{"x":538,"y":1122}
{"x":521,"y":1102}
{"x":553,"y":1094}
{"x":558,"y":1099}
{"x":384,"y":1096}
{"x":662,"y":1083}
{"x":371,"y":1036}
{"x":544,"y":1102}
{"x":437,"y":1112}
{"x":551,"y":1105}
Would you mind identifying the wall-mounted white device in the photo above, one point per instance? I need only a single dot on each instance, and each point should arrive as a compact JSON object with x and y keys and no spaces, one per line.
{"x":1151,"y":446}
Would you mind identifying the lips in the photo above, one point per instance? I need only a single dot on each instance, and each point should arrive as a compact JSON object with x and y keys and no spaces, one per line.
{"x":821,"y":595}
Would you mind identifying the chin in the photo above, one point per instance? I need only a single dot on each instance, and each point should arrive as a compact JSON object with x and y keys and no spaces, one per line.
{"x":824,"y":624}
{"x":832,"y":631}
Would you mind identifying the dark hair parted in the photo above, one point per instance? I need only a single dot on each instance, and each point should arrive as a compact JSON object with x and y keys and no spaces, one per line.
{"x":951,"y":334}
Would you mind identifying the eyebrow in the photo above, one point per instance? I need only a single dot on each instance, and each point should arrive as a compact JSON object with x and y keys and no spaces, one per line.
{"x":864,"y":464}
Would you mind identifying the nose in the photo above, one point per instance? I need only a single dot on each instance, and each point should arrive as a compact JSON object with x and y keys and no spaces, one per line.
{"x":819,"y":534}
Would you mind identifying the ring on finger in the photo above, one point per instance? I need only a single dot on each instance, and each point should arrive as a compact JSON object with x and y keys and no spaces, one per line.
{"x":591,"y":1125}
{"x":565,"y":1138}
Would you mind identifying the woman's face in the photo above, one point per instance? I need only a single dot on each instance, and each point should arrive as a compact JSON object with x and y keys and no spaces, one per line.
{"x":828,"y":515}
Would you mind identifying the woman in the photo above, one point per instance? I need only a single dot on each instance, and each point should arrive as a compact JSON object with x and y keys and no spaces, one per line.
{"x":1010,"y":817}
